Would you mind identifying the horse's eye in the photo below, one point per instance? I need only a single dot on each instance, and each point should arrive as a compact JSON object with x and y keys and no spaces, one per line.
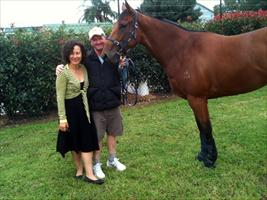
{"x":122,"y":26}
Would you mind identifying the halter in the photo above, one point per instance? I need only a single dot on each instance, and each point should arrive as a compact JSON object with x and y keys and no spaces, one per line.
{"x":122,"y":51}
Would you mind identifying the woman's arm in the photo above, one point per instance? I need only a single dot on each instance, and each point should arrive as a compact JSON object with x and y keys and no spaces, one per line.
{"x":61,"y":85}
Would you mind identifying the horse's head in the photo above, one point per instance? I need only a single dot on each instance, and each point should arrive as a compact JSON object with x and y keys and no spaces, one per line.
{"x":123,"y":35}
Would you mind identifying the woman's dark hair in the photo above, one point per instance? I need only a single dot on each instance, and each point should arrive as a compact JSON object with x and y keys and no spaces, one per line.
{"x":68,"y":49}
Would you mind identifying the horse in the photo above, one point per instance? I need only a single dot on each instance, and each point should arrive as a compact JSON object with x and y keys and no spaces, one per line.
{"x":199,"y":65}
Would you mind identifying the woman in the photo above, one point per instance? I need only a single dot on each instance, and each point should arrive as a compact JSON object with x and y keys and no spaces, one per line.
{"x":77,"y":132}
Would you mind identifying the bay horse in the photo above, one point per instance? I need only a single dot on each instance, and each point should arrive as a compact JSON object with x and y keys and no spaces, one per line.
{"x":199,"y":65}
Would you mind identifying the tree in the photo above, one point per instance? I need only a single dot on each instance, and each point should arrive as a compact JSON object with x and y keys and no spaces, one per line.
{"x":99,"y":11}
{"x":241,"y":5}
{"x":173,"y":10}
{"x":252,"y":4}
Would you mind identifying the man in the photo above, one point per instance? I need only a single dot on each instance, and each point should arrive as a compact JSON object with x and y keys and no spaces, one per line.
{"x":104,"y":98}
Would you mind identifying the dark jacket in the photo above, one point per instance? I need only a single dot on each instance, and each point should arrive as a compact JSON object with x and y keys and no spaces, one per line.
{"x":104,"y":90}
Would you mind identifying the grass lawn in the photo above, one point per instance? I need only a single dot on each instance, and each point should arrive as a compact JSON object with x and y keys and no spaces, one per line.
{"x":159,"y":148}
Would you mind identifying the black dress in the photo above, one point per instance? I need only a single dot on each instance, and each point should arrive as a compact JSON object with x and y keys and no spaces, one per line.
{"x":82,"y":135}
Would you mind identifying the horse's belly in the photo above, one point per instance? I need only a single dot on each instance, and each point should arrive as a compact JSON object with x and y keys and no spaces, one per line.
{"x":235,"y":88}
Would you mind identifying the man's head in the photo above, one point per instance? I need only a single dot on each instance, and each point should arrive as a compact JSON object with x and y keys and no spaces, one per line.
{"x":95,"y":31}
{"x":97,"y":39}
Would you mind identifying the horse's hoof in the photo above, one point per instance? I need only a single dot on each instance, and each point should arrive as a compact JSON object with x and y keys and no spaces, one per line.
{"x":209,"y":164}
{"x":200,"y":156}
{"x":204,"y":158}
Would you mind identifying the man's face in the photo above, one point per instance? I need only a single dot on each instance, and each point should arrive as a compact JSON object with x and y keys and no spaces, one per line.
{"x":97,"y":42}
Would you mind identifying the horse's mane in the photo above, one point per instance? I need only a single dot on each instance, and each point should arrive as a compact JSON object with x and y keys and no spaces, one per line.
{"x":163,"y":20}
{"x":175,"y":24}
{"x":171,"y":22}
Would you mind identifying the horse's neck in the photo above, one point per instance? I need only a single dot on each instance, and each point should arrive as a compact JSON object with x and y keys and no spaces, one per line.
{"x":160,"y":37}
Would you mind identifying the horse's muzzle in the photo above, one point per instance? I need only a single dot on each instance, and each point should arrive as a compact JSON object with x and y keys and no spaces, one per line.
{"x":111,"y":57}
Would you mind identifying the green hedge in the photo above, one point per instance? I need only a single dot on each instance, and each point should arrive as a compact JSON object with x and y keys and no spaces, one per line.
{"x":28,"y":61}
{"x":27,"y":71}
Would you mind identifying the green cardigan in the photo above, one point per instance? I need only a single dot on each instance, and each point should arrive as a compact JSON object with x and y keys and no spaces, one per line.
{"x":68,"y":87}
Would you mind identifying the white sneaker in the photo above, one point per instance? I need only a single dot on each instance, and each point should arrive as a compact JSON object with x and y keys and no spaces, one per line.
{"x":98,"y":171}
{"x":116,"y":164}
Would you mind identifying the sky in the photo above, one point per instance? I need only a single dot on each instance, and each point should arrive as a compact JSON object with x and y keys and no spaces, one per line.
{"x":24,"y":13}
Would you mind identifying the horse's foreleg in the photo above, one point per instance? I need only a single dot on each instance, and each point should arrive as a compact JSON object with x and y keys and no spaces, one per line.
{"x":208,"y":152}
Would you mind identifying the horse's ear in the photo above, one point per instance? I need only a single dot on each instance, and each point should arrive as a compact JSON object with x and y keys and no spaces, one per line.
{"x":128,"y":7}
{"x":123,"y":7}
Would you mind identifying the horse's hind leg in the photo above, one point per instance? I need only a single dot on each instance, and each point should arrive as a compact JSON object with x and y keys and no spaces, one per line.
{"x":208,"y":152}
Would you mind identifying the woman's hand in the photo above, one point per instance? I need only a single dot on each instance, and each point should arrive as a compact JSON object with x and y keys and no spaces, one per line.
{"x":64,"y":126}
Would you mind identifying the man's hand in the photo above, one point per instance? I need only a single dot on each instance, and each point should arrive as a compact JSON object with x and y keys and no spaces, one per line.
{"x":123,"y":62}
{"x":59,"y":69}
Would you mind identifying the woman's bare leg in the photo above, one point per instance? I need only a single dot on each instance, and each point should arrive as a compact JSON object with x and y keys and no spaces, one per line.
{"x":78,"y":163}
{"x":88,"y":164}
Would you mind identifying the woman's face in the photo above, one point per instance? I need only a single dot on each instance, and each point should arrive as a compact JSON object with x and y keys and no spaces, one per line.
{"x":76,"y":55}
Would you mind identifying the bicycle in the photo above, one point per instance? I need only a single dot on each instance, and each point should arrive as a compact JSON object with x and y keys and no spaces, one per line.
{"x":129,"y":78}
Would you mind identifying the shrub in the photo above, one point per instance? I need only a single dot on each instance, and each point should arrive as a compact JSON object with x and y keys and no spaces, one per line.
{"x":26,"y":74}
{"x":27,"y":68}
{"x":237,"y":22}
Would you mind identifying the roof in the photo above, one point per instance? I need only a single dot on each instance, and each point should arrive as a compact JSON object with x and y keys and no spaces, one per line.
{"x":76,"y":28}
